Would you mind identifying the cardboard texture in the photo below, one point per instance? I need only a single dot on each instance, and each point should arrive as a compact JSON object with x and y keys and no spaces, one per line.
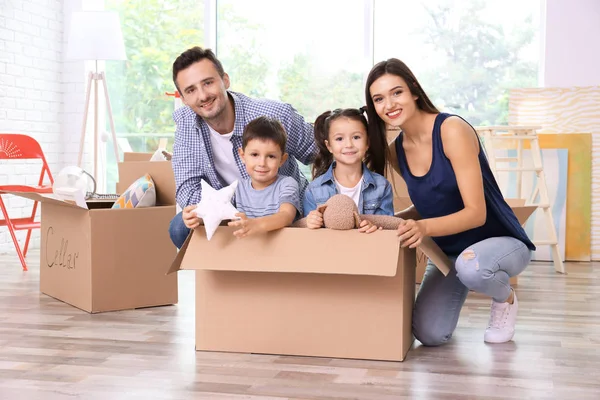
{"x":100,"y":259}
{"x":132,"y":157}
{"x":258,"y":295}
{"x":161,"y":173}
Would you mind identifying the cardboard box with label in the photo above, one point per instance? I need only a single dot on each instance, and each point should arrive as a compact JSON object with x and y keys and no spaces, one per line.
{"x":402,"y":202}
{"x":102,"y":259}
{"x":304,"y":292}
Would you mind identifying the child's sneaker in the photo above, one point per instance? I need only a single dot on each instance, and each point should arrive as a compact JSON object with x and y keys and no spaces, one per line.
{"x":503,"y":317}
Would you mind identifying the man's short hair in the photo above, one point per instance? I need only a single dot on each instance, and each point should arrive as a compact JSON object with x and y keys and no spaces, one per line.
{"x":265,"y":128}
{"x":194,"y":55}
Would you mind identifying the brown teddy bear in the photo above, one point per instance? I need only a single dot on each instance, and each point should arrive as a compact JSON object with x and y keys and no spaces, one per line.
{"x":340,"y":212}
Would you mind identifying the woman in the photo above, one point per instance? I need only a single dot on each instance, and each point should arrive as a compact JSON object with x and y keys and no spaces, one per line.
{"x":456,"y":201}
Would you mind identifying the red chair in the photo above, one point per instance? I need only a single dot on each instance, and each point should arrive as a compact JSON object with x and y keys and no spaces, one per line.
{"x":22,"y":147}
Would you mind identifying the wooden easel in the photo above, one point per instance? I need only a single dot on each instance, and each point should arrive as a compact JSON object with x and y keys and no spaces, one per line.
{"x":519,"y":134}
{"x":95,"y":77}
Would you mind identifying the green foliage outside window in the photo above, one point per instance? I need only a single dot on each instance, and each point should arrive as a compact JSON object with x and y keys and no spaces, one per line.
{"x":477,"y":63}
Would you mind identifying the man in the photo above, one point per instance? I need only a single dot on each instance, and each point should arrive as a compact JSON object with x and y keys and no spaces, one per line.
{"x":209,"y":134}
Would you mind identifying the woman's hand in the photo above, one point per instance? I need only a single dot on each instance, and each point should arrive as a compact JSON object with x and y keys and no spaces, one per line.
{"x":368,"y":227}
{"x":411,"y":233}
{"x":190,"y":219}
{"x":247,"y":226}
{"x":314,"y":220}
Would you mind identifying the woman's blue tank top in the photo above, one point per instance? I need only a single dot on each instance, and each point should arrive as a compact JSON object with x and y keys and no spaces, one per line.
{"x":436,"y":194}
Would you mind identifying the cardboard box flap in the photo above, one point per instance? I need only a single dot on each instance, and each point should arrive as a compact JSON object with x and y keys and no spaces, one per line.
{"x":436,"y":255}
{"x":401,"y":203}
{"x":523,"y":213}
{"x":44,"y":198}
{"x":176,"y":264}
{"x":161,"y":173}
{"x":515,"y":202}
{"x":292,"y":250}
{"x":133,"y":156}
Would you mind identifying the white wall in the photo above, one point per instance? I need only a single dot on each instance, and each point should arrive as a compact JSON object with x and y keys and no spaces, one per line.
{"x":38,"y":94}
{"x":73,"y":80}
{"x":572,"y":47}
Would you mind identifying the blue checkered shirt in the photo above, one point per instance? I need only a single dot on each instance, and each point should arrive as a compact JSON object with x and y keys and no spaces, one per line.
{"x":193,"y":158}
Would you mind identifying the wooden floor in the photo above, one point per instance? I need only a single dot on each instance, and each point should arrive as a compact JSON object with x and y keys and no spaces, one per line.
{"x":50,"y":350}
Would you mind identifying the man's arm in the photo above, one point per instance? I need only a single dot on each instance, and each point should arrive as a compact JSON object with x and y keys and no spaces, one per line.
{"x":185,"y":161}
{"x":301,"y":136}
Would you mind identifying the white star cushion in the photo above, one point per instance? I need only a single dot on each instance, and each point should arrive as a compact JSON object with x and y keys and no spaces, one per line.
{"x":215,"y":206}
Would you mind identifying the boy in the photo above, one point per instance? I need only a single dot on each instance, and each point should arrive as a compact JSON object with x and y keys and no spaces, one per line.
{"x":267,"y":201}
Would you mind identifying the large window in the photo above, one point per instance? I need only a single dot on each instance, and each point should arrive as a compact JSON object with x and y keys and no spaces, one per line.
{"x":466,"y":54}
{"x":155,"y":33}
{"x":315,"y":54}
{"x":310,"y":54}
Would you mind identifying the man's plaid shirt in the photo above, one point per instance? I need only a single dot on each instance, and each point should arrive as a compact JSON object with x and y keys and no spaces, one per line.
{"x":192,"y":152}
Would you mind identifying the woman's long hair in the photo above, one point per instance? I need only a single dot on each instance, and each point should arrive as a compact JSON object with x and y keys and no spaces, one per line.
{"x":393,"y":66}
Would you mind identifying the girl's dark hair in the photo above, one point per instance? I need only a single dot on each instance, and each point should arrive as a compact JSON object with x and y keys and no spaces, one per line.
{"x":377,"y":153}
{"x":393,"y":66}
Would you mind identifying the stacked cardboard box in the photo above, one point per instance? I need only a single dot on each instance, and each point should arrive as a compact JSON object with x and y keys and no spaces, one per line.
{"x":102,"y":259}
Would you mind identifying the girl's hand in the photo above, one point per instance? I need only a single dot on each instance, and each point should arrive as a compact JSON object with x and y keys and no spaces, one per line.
{"x":314,"y":220}
{"x":368,"y":227}
{"x":411,"y":233}
{"x":190,"y":219}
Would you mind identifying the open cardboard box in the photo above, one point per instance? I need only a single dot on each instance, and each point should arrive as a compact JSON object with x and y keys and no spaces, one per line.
{"x":99,"y":259}
{"x":402,"y":201}
{"x":304,"y":292}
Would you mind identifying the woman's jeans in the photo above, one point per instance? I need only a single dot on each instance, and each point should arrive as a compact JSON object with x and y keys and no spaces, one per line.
{"x":484,"y":267}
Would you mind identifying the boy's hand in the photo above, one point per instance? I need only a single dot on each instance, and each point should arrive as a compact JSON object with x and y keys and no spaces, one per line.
{"x":248,"y":226}
{"x":314,"y":220}
{"x":190,"y":219}
{"x":368,"y":227}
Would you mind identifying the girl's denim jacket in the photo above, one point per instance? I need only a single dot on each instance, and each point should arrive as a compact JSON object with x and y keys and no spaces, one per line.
{"x":376,"y":195}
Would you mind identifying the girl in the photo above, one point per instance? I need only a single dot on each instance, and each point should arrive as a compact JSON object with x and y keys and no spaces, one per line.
{"x":456,"y":201}
{"x":349,"y":162}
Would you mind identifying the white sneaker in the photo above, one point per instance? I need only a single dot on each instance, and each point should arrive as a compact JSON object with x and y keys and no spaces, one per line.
{"x":503,"y":317}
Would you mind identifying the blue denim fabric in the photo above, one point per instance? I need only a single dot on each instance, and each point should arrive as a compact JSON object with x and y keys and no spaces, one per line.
{"x":376,"y":193}
{"x":178,"y":231}
{"x":440,"y":298}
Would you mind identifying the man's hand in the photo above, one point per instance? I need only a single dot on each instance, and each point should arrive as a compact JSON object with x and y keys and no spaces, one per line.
{"x":190,"y":219}
{"x":314,"y":220}
{"x":247,"y":226}
{"x":368,"y":227}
